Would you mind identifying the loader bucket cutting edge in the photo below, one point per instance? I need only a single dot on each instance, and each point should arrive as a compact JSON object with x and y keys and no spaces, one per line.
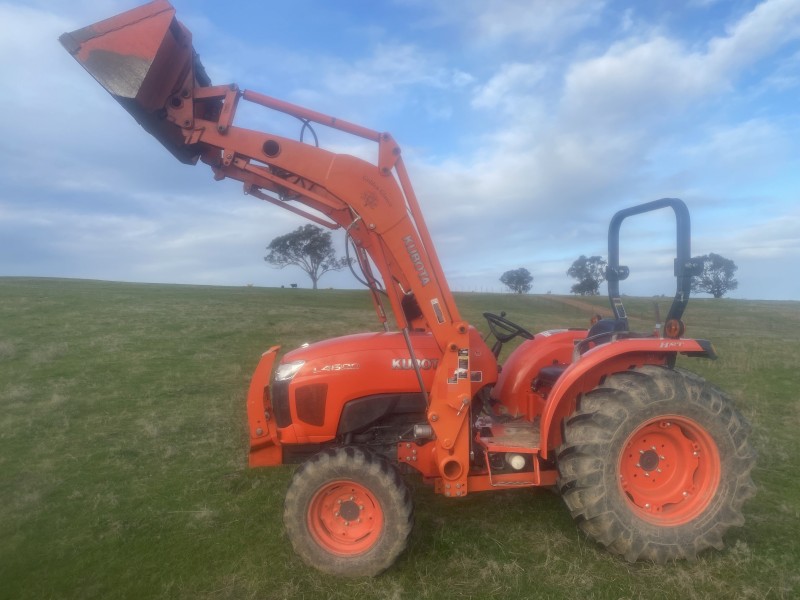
{"x":143,"y":58}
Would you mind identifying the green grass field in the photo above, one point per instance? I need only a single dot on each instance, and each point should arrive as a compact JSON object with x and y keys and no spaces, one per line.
{"x":123,"y":455}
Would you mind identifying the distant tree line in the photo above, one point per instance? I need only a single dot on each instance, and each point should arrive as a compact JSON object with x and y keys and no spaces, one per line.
{"x":310,"y":248}
{"x":716,"y":278}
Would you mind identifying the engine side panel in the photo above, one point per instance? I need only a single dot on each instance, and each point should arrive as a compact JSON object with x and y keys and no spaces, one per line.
{"x":375,"y":370}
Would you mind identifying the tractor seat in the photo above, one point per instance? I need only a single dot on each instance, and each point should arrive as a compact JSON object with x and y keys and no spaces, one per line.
{"x":601,"y":332}
{"x":547,"y":376}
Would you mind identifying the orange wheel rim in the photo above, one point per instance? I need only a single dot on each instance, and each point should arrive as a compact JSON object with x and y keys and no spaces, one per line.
{"x":669,"y":470}
{"x":345,"y":518}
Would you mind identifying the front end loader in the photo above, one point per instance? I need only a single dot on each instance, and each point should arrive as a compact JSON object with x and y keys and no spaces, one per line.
{"x":652,"y":461}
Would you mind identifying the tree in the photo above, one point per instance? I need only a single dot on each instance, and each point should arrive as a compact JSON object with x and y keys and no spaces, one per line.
{"x":590,"y":273}
{"x":517,"y":280}
{"x":307,"y":247}
{"x":717,"y":275}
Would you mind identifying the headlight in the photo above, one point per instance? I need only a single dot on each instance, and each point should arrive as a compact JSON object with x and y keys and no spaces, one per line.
{"x":287,"y":371}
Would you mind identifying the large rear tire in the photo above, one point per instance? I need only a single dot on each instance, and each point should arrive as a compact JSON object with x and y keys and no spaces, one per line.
{"x":656,"y":464}
{"x":348,"y":512}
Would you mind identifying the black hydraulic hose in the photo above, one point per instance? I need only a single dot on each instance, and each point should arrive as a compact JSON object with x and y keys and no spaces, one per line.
{"x":417,"y":369}
{"x":375,"y":285}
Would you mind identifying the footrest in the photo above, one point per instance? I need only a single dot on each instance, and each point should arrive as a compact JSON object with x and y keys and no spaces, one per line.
{"x":515,"y":436}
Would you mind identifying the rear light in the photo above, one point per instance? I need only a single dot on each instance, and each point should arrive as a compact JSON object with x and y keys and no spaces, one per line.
{"x":674,"y":328}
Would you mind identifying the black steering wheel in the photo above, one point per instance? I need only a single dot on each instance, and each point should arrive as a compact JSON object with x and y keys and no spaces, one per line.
{"x":505,"y":330}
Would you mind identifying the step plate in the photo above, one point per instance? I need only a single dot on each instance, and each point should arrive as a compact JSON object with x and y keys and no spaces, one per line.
{"x":515,"y":436}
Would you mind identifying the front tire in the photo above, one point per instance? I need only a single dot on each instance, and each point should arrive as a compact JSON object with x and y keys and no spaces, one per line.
{"x":656,"y":464}
{"x":348,"y":512}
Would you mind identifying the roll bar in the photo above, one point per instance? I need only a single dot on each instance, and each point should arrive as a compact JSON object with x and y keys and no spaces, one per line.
{"x":685,"y":266}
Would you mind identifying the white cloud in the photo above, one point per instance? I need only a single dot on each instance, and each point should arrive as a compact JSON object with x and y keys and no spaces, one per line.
{"x":786,"y":76}
{"x":770,"y":25}
{"x":581,"y":154}
{"x":506,"y":89}
{"x":634,"y":80}
{"x":391,"y":67}
{"x":614,"y":107}
{"x":773,"y":236}
{"x":756,"y":147}
{"x":653,"y":78}
{"x":531,"y":22}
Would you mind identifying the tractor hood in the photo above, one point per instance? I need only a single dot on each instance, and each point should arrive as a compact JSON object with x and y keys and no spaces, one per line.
{"x":376,"y":363}
{"x":366,"y":363}
{"x":363,"y":342}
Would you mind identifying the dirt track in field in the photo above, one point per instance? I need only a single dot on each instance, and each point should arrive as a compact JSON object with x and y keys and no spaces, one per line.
{"x":580,"y":304}
{"x":591,"y":309}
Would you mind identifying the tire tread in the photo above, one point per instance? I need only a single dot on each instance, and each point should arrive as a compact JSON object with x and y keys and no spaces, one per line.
{"x":584,"y":464}
{"x":361,"y":466}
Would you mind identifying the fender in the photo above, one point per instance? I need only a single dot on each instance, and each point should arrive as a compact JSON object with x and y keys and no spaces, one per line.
{"x":586,"y":373}
{"x":265,"y":447}
{"x":513,"y":388}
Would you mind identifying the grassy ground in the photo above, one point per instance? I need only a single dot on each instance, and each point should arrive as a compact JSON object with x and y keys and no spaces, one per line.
{"x":123,"y":456}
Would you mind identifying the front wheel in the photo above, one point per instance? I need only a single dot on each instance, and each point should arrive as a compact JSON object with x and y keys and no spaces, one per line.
{"x":348,"y":512}
{"x":656,"y":464}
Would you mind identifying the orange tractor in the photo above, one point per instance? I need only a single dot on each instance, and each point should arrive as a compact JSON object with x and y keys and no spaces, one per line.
{"x":652,"y":461}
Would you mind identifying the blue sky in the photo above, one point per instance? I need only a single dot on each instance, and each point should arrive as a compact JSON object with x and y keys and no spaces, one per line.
{"x":524,"y":124}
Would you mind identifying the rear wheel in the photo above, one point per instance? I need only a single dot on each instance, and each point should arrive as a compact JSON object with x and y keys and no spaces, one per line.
{"x":348,"y":512}
{"x":656,"y":464}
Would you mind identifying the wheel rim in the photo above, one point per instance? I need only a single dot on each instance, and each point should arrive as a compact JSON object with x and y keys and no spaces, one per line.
{"x":669,"y":470}
{"x":345,"y":518}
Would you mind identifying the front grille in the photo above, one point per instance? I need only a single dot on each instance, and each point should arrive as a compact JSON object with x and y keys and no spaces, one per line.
{"x":310,"y":403}
{"x":280,"y":403}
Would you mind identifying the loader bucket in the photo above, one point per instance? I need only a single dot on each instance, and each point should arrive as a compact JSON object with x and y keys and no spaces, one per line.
{"x":144,"y":58}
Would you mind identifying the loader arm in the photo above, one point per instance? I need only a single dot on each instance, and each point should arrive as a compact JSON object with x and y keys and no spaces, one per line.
{"x":145,"y":59}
